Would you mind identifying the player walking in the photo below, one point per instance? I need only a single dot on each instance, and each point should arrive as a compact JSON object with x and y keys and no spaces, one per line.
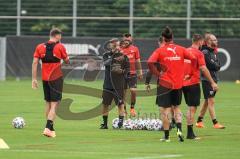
{"x":213,"y":66}
{"x":50,"y":53}
{"x":191,"y":83}
{"x":132,"y":52}
{"x":116,"y":71}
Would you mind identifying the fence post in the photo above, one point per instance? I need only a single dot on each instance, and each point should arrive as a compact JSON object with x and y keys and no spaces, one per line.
{"x":188,"y":35}
{"x":2,"y":59}
{"x":74,"y":21}
{"x":18,"y":17}
{"x":131,"y":16}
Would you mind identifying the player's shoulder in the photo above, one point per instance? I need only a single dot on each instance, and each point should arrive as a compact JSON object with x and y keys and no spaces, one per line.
{"x":60,"y":45}
{"x":134,"y":47}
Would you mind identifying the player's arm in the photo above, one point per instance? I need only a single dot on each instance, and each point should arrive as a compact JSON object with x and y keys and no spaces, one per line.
{"x":34,"y":73}
{"x":106,"y":61}
{"x":151,"y":63}
{"x":147,"y":81}
{"x":207,"y":74}
{"x":138,"y":64}
{"x":65,"y":55}
{"x":139,"y":68}
{"x":211,"y":64}
{"x":126,"y":67}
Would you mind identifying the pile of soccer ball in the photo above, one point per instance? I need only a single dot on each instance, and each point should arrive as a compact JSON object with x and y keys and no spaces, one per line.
{"x":139,"y":124}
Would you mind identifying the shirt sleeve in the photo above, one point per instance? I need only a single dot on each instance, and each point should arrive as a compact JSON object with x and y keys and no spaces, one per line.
{"x":37,"y":53}
{"x":153,"y":59}
{"x":137,"y":55}
{"x":201,"y":60}
{"x":188,"y":54}
{"x":64,"y":54}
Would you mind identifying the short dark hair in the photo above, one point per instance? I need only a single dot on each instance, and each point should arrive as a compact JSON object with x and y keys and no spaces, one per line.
{"x":196,"y":37}
{"x":167,"y":33}
{"x":127,"y":35}
{"x":55,"y":31}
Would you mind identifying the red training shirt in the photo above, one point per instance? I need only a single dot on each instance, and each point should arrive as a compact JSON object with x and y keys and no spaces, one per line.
{"x":132,"y":52}
{"x":171,"y":56}
{"x":192,"y":69}
{"x":51,"y":71}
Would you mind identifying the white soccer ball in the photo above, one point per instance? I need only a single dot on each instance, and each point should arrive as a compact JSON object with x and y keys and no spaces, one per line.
{"x":129,"y":124}
{"x":146,"y":124}
{"x":139,"y":124}
{"x":157,"y":125}
{"x":150,"y":124}
{"x":18,"y":123}
{"x":115,"y":123}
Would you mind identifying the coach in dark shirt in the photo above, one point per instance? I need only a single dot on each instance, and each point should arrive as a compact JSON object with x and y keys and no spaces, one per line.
{"x":116,"y":70}
{"x":213,"y":65}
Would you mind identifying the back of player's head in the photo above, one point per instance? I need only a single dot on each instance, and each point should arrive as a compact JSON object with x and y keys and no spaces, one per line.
{"x":55,"y":31}
{"x":127,"y":35}
{"x":197,"y":38}
{"x":167,"y":34}
{"x":206,"y":35}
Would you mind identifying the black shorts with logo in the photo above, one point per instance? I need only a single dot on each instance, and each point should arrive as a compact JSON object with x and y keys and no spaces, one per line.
{"x":208,"y":91}
{"x":131,"y":82}
{"x":168,"y":97}
{"x":109,"y":94}
{"x":192,"y":94}
{"x":53,"y":90}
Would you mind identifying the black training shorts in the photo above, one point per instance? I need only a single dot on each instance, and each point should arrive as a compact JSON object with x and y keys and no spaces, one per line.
{"x":168,"y":97}
{"x":53,"y":90}
{"x":109,"y":94}
{"x":208,"y":91}
{"x":192,"y":94}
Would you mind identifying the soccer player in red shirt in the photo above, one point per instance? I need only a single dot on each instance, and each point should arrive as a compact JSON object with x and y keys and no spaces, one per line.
{"x":191,"y":83}
{"x":50,"y":53}
{"x":133,"y":55}
{"x":171,"y":59}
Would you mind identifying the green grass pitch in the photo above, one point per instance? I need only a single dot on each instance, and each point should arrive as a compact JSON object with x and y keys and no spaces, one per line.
{"x":83,"y":139}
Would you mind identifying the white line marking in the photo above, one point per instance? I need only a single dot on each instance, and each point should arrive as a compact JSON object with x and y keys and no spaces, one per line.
{"x":3,"y":144}
{"x":157,"y":157}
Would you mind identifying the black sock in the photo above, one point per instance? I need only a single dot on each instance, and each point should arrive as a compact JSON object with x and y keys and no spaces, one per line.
{"x":166,"y":134}
{"x":173,"y":121}
{"x":214,"y":121}
{"x":105,"y":119}
{"x":49,"y":125}
{"x":179,"y":126}
{"x":190,"y":130}
{"x":120,"y":123}
{"x":132,"y":105}
{"x":200,"y":119}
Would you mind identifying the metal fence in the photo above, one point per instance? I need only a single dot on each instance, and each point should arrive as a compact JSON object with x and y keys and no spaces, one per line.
{"x":109,"y":18}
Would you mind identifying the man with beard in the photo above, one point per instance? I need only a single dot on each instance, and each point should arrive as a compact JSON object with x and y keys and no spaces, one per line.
{"x":213,"y":66}
{"x":116,"y":69}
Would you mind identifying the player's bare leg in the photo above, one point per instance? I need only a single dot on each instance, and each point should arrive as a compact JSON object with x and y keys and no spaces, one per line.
{"x":178,"y":119}
{"x":49,"y":130}
{"x":121,"y":113}
{"x":212,"y":113}
{"x":203,"y":111}
{"x":104,"y":125}
{"x":133,"y":101}
{"x":125,"y":103}
{"x":47,"y":108}
{"x":165,"y":116}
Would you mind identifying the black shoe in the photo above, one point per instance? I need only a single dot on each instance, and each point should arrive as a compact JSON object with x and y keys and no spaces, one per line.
{"x":103,"y":126}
